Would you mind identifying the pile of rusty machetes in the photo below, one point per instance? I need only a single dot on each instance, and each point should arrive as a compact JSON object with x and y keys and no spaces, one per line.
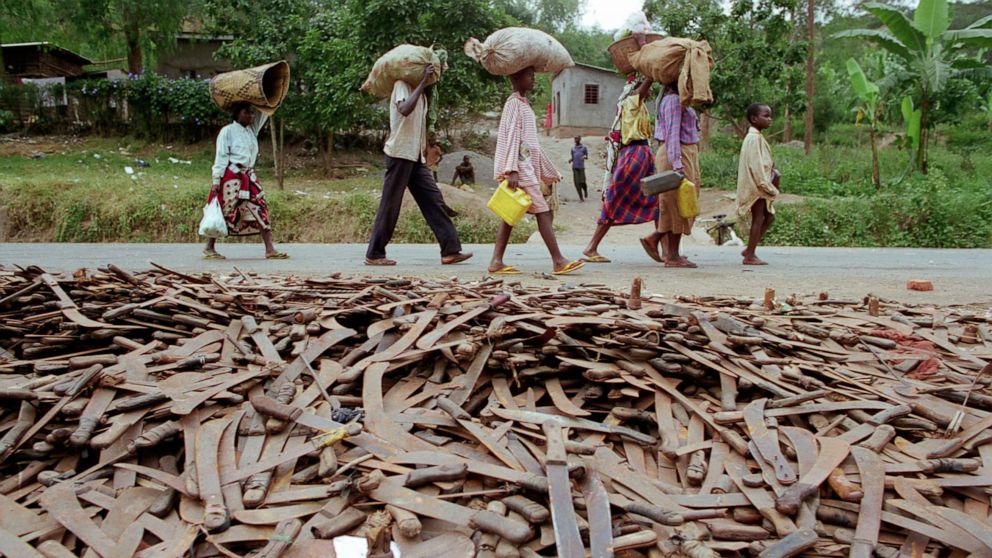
{"x":166,"y":414}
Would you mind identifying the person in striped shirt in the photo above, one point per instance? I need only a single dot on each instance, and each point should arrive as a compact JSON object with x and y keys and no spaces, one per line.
{"x":523,"y":164}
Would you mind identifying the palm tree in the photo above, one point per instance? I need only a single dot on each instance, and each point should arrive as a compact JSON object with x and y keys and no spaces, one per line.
{"x":930,"y":53}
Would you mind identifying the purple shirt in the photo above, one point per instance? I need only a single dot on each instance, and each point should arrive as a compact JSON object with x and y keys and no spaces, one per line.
{"x":675,"y":125}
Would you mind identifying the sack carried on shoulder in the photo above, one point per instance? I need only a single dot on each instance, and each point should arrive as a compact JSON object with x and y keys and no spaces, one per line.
{"x":509,"y":50}
{"x":406,"y":63}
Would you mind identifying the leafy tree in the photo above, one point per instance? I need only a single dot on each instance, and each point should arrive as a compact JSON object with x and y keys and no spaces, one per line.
{"x":548,"y":15}
{"x":929,"y":53}
{"x":142,"y":26}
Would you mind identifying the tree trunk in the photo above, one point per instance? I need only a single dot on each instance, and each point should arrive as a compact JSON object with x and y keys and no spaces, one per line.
{"x":328,"y":150}
{"x":134,"y":59}
{"x":810,"y":67}
{"x":876,"y":177}
{"x":922,"y":151}
{"x":704,"y":127}
{"x":282,"y":153}
{"x":787,"y":127}
{"x":275,"y":147}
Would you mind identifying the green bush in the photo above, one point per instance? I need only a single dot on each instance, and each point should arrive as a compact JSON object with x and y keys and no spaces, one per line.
{"x":922,"y":211}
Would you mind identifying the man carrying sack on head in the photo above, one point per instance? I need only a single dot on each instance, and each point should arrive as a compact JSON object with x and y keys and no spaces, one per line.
{"x":406,"y":168}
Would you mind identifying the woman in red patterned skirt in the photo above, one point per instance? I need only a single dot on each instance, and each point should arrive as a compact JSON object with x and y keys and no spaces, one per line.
{"x":623,"y":202}
{"x":241,"y":198}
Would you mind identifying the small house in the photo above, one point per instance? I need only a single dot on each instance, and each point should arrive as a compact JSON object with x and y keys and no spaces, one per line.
{"x":193,"y":55}
{"x":584,"y":100}
{"x":41,"y":60}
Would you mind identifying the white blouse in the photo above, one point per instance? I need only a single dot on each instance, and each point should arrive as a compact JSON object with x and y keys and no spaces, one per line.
{"x":237,"y":145}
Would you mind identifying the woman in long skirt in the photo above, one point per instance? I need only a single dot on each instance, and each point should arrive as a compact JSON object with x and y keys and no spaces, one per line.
{"x":623,"y":202}
{"x":235,"y":183}
{"x":677,"y":129}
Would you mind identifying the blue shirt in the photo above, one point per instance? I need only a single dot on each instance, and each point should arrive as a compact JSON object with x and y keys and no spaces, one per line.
{"x":579,"y":153}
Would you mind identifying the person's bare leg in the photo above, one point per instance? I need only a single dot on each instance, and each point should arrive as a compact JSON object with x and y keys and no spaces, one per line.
{"x":267,"y":239}
{"x":592,"y":250}
{"x":758,"y":217}
{"x":547,"y":230}
{"x":499,"y":248}
{"x":674,"y":259}
{"x":211,"y":245}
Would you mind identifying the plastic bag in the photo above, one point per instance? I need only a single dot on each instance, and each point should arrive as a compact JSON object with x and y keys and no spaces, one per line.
{"x":213,"y":225}
{"x":637,"y":22}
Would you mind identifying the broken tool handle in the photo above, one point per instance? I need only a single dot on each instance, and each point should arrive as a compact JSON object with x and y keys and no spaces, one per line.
{"x":880,"y":438}
{"x":534,"y":483}
{"x":513,"y":531}
{"x":656,"y":514}
{"x":20,"y":394}
{"x":339,"y":524}
{"x":438,"y":473}
{"x":792,"y":545}
{"x":950,"y":465}
{"x":555,"y":443}
{"x":531,"y":511}
{"x":788,"y":503}
{"x":847,"y":490}
{"x":407,"y":522}
{"x":272,"y":408}
{"x":639,"y":539}
{"x":450,"y":407}
{"x":890,"y":414}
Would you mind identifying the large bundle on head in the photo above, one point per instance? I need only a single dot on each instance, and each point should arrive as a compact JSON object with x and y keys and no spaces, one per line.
{"x":512,"y":49}
{"x":264,"y":87}
{"x":678,"y":61}
{"x":406,"y":63}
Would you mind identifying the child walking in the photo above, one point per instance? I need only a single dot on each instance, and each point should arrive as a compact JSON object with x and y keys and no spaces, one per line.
{"x":757,"y":181}
{"x":523,"y":164}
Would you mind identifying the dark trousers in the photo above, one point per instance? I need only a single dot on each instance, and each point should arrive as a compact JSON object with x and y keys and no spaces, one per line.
{"x":400,"y":175}
{"x":579,"y":176}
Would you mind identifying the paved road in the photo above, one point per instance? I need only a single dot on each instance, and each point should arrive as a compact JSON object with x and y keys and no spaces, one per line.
{"x":959,"y":276}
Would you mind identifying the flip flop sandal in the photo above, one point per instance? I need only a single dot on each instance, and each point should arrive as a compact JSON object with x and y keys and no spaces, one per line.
{"x":652,"y":251}
{"x":379,"y":262}
{"x":207,"y":255}
{"x":683,"y":264}
{"x":596,"y":259}
{"x":572,"y":266}
{"x":277,"y":256}
{"x":506,"y":270}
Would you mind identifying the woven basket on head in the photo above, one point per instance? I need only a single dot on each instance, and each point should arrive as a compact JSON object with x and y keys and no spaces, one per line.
{"x":264,"y":87}
{"x":620,"y":50}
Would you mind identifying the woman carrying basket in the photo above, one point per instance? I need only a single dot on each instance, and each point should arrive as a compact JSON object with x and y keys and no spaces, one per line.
{"x":235,"y":184}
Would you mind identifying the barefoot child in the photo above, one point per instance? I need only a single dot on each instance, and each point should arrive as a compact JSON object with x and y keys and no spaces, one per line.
{"x":523,"y":164}
{"x":757,"y":181}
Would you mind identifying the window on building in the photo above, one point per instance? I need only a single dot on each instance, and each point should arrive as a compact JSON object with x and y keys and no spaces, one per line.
{"x":592,"y":94}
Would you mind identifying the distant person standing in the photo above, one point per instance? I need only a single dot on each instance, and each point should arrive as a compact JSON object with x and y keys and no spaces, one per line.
{"x":405,"y":168}
{"x":578,"y":160}
{"x":236,"y":185}
{"x":464,"y":172}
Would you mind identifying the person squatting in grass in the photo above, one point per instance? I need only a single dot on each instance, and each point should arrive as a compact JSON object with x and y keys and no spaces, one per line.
{"x":406,"y":168}
{"x":757,"y":181}
{"x":523,"y":164}
{"x":235,"y":184}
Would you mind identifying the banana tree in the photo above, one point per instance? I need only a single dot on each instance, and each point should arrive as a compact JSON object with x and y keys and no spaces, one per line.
{"x":986,"y":107}
{"x":912,"y":116}
{"x":868,"y":110}
{"x":930,"y":52}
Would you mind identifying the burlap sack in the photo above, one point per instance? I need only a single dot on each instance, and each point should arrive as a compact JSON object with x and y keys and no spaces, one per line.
{"x":405,"y":62}
{"x":509,"y":50}
{"x":264,"y":87}
{"x":682,"y":61}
